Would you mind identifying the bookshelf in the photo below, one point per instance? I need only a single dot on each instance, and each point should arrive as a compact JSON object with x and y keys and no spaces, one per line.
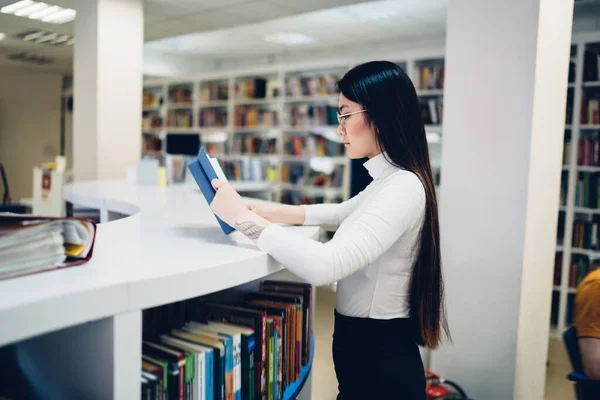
{"x":265,"y":122}
{"x":155,"y":247}
{"x":578,"y":250}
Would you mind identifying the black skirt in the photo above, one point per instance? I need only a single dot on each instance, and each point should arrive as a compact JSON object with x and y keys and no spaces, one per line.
{"x":377,"y":359}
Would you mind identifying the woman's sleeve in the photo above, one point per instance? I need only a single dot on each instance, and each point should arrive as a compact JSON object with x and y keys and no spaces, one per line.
{"x":330,"y":214}
{"x":391,"y":212}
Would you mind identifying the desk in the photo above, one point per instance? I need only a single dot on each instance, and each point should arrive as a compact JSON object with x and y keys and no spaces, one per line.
{"x":168,"y":248}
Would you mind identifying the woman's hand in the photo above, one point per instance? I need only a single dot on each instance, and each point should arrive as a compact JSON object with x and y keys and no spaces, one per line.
{"x":270,"y":212}
{"x":227,"y":204}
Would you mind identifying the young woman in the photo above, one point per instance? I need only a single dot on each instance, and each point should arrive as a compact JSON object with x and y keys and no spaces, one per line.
{"x":385,"y":254}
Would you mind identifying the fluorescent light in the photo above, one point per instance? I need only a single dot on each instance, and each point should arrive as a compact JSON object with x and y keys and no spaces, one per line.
{"x":370,"y":11}
{"x":11,"y":8}
{"x":289,"y":38}
{"x":61,"y":17}
{"x":2,"y":35}
{"x":45,"y":12}
{"x":40,"y":11}
{"x":33,"y":36}
{"x":25,"y":12}
{"x":47,"y":38}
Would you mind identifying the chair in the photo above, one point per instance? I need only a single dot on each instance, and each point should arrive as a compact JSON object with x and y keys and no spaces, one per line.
{"x":585,"y":389}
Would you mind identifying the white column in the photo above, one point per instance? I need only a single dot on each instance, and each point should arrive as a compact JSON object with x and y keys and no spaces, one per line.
{"x":109,"y":36}
{"x":505,"y":100}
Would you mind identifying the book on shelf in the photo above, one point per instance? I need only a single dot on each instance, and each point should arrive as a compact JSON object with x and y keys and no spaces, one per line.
{"x":585,"y":234}
{"x":180,"y":94}
{"x":316,"y":85}
{"x":151,"y":120}
{"x":255,"y":116}
{"x":31,"y":244}
{"x":197,"y":349}
{"x":564,"y":187}
{"x":588,"y":151}
{"x":151,"y":98}
{"x":214,"y":91}
{"x":256,"y":88}
{"x":250,"y":144}
{"x":176,"y":167}
{"x":591,"y":66}
{"x":586,"y":190}
{"x":309,"y":115}
{"x":249,"y":170}
{"x":431,"y":76}
{"x":432,"y":110}
{"x":215,"y":117}
{"x":151,"y":144}
{"x":179,"y":118}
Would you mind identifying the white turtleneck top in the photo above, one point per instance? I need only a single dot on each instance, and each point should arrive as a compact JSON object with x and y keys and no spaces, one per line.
{"x":373,"y":251}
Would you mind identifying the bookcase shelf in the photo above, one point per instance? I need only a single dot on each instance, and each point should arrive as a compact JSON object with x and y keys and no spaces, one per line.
{"x":280,"y":97}
{"x":572,"y":263}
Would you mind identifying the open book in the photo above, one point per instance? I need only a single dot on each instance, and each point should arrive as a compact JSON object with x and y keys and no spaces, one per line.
{"x":204,"y":170}
{"x":30,"y":244}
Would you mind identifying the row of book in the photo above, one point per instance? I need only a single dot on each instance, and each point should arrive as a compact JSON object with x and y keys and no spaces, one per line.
{"x":256,"y":88}
{"x":432,"y":111}
{"x":306,"y":115}
{"x":214,"y":91}
{"x":254,"y":349}
{"x":151,"y":120}
{"x":179,"y":118}
{"x":431,"y":76}
{"x":213,"y":117}
{"x":564,"y":187}
{"x":151,"y":99}
{"x":248,"y":144}
{"x":249,"y":170}
{"x":590,"y":107}
{"x":292,"y":172}
{"x":586,"y":190}
{"x":585,"y":234}
{"x":588,"y":151}
{"x":176,"y":167}
{"x":320,"y":179}
{"x":296,"y":197}
{"x":253,"y":116}
{"x":322,"y":84}
{"x":578,"y":270}
{"x":181,"y":94}
{"x":591,"y":66}
{"x":151,"y":144}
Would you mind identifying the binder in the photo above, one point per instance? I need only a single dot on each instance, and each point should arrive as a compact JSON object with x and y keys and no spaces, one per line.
{"x":203,"y":172}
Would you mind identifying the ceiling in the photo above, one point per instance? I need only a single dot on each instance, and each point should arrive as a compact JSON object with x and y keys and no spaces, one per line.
{"x":162,"y":18}
{"x":330,"y":28}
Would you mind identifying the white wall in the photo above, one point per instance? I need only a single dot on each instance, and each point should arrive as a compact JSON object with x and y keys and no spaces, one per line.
{"x":29,"y":124}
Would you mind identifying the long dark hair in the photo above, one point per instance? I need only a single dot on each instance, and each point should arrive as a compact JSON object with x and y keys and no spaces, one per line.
{"x":390,"y":98}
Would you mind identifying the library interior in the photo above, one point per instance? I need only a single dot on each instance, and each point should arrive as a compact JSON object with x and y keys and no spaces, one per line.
{"x":127,"y":271}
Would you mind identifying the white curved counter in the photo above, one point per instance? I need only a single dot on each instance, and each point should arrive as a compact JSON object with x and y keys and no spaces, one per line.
{"x":170,"y":248}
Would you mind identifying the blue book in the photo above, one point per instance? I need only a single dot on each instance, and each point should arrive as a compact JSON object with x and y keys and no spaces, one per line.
{"x":203,"y":173}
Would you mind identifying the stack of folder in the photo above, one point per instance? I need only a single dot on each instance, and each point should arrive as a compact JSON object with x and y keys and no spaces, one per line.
{"x":30,"y":244}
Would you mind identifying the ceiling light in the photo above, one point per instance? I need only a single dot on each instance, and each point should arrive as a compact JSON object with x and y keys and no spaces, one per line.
{"x":289,"y":38}
{"x":2,"y":35}
{"x":40,"y":11}
{"x":45,"y":37}
{"x":34,"y":8}
{"x":370,"y":11}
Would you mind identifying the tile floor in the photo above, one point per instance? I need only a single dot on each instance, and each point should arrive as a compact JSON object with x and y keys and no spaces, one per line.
{"x":324,"y":383}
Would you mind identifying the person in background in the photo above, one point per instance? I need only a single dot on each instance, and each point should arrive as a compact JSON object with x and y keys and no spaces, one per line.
{"x":385,"y":254}
{"x":587,"y":323}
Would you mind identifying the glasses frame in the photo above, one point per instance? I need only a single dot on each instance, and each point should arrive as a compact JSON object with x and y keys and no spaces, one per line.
{"x":342,"y":117}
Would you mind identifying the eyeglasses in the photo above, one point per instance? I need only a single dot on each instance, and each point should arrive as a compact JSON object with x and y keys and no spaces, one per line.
{"x":342,"y":117}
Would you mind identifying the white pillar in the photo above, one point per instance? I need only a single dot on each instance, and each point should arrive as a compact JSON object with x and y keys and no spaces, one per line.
{"x":505,"y":101}
{"x":109,"y":36}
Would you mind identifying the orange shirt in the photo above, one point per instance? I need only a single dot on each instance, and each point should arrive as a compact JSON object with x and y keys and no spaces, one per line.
{"x":587,"y":306}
